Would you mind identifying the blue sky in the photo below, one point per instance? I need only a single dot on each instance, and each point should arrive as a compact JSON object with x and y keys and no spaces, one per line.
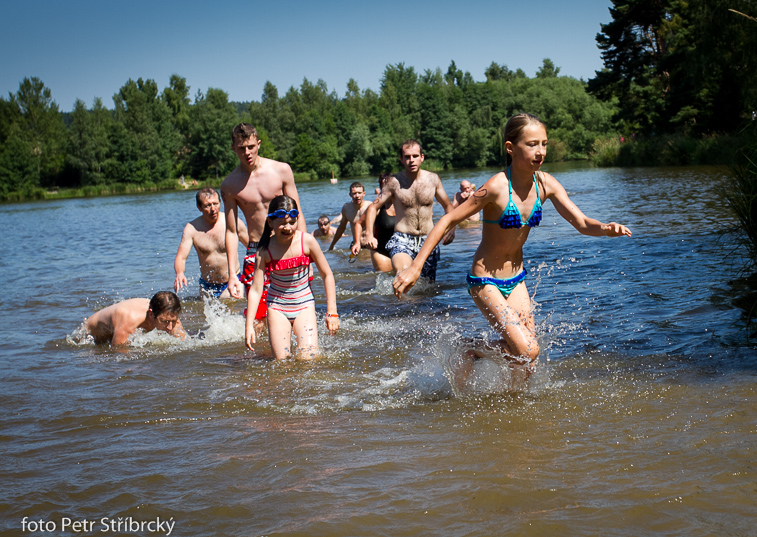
{"x":87,"y":49}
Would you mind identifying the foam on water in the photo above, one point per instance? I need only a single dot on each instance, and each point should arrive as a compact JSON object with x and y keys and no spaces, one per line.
{"x":375,"y":362}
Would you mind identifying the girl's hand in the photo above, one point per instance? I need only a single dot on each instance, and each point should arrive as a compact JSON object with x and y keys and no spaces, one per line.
{"x":613,"y":229}
{"x":332,"y":323}
{"x":249,"y":336}
{"x":405,"y":280}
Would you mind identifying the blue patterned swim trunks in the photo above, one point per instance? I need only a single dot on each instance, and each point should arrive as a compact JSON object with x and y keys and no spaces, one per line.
{"x":404,"y":243}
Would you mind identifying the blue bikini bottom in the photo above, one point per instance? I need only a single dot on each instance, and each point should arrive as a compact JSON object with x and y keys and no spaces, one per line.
{"x":505,"y":286}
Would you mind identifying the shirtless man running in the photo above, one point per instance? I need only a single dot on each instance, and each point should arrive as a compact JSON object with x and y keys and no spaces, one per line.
{"x":207,"y":233}
{"x":352,"y":212}
{"x":251,"y":187}
{"x":119,"y":321}
{"x":412,"y":191}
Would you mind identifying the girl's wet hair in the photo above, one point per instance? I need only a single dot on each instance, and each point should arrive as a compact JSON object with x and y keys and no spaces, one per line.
{"x":279,"y":202}
{"x":514,"y":129}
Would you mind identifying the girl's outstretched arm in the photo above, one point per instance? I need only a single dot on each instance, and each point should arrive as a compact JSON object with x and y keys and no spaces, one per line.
{"x":313,"y":249}
{"x":570,"y":212}
{"x":405,"y":279}
{"x":253,"y":299}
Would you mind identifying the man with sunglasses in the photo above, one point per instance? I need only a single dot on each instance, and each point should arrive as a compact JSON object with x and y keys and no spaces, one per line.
{"x":251,"y":187}
{"x":324,"y":228}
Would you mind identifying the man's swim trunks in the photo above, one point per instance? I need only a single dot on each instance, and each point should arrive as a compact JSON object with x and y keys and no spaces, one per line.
{"x":404,"y":243}
{"x":213,"y":289}
{"x":248,"y":270}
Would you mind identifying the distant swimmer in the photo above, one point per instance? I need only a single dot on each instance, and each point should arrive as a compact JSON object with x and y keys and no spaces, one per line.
{"x":466,"y":189}
{"x":207,"y":233}
{"x":383,"y":229}
{"x":512,"y":205}
{"x":351,"y":213}
{"x":412,"y":191}
{"x":324,"y":228}
{"x":287,"y":253}
{"x":251,"y":187}
{"x":116,"y":323}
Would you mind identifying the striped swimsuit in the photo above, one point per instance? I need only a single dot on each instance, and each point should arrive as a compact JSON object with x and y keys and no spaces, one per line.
{"x":290,"y":292}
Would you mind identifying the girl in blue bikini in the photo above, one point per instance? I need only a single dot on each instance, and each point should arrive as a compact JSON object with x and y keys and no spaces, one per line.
{"x":497,"y":278}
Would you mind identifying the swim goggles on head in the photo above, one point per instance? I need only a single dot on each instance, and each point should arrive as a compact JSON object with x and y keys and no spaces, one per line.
{"x":281,"y":213}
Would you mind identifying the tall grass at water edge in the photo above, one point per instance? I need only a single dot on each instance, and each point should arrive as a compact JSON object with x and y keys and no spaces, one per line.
{"x":666,"y":150}
{"x":740,"y":193}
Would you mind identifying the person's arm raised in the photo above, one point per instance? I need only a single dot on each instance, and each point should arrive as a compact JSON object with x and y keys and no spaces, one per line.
{"x":406,"y":279}
{"x":441,"y":197}
{"x":573,"y":215}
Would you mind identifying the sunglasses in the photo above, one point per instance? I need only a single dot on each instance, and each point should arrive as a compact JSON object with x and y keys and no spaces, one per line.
{"x":281,"y":213}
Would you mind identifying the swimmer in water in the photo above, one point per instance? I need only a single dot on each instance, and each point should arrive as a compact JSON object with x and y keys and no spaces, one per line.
{"x":250,"y":188}
{"x":324,"y":228}
{"x":207,"y":233}
{"x":512,"y":205}
{"x":383,"y":229}
{"x":352,"y":212}
{"x":412,"y":192}
{"x":286,"y":253}
{"x":116,"y":323}
{"x":466,"y":190}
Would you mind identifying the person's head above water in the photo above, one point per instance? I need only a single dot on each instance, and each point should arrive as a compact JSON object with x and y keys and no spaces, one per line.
{"x":246,"y":145}
{"x":383,"y":178}
{"x":164,"y":311}
{"x":243,"y":132}
{"x":515,"y":126}
{"x":357,"y":192}
{"x":204,"y":193}
{"x":279,"y":203}
{"x":411,"y":156}
{"x":209,"y":204}
{"x":324,"y":224}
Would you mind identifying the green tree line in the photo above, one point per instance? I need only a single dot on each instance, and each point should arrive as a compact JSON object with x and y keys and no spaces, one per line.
{"x":679,"y":66}
{"x":151,"y":136}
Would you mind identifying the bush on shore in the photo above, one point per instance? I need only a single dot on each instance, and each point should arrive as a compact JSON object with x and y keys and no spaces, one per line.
{"x":665,"y":150}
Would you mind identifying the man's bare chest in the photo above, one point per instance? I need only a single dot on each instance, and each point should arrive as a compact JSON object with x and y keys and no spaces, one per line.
{"x":209,"y":242}
{"x":416,"y":194}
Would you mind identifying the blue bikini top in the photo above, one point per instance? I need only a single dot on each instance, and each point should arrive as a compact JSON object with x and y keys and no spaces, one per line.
{"x":511,"y":217}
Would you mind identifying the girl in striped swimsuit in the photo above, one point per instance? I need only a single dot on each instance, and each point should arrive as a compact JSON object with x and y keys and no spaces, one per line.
{"x":286,"y":253}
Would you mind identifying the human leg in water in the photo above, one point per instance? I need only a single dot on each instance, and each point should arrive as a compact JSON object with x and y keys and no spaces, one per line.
{"x":279,"y":334}
{"x":306,"y":333}
{"x":513,"y":319}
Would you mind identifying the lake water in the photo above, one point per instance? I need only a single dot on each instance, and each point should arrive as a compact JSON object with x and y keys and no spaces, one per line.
{"x":639,"y":421}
